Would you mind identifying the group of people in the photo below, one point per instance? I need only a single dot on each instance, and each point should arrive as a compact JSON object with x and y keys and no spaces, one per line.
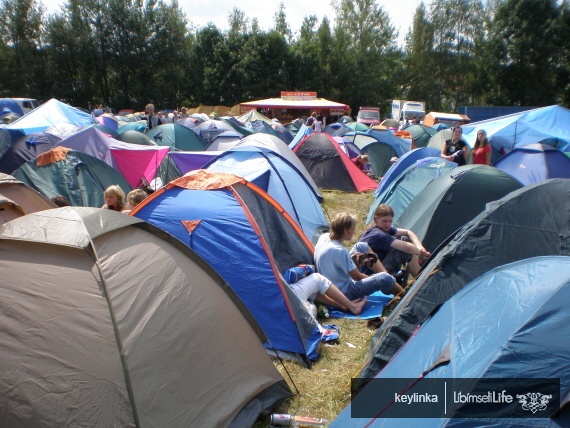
{"x":115,"y":199}
{"x":316,"y":122}
{"x":345,"y":278}
{"x":457,"y":150}
{"x":154,"y":119}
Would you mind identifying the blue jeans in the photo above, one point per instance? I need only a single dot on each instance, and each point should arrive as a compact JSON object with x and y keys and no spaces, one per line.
{"x":376,"y":282}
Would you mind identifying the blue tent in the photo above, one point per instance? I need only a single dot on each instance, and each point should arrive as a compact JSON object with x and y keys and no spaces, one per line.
{"x":303,"y":131}
{"x":403,"y":163}
{"x":250,"y":241}
{"x":280,"y":179}
{"x":51,"y":113}
{"x":26,"y":148}
{"x":401,"y":191}
{"x":548,"y":125}
{"x":8,"y":105}
{"x":534,"y":163}
{"x":512,"y":322}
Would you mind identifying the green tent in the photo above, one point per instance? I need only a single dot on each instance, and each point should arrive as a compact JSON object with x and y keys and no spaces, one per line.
{"x":135,"y":137}
{"x":79,"y":177}
{"x":177,"y":136}
{"x":421,"y":134}
{"x":356,"y":126}
{"x":453,"y":199}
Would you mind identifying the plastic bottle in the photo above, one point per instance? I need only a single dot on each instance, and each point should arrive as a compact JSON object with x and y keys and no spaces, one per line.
{"x":284,"y":420}
{"x":322,"y":311}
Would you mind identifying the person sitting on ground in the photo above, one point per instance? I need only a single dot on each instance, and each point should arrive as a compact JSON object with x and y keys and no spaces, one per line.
{"x":317,"y":288}
{"x":394,"y":247}
{"x":335,"y":263}
{"x":360,"y":161}
{"x":60,"y":201}
{"x":135,"y":197}
{"x":456,"y":149}
{"x":115,"y":199}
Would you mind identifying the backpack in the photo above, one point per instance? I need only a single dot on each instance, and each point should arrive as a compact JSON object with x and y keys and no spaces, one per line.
{"x":297,"y":272}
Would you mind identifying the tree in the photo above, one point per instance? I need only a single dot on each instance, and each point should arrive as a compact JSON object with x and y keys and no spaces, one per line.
{"x":528,"y":42}
{"x":281,"y":25}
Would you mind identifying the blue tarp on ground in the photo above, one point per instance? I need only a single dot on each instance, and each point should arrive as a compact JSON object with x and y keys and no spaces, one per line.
{"x":548,"y":125}
{"x":512,"y":322}
{"x":534,"y":163}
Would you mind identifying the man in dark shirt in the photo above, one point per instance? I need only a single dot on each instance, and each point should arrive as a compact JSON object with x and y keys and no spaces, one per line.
{"x":394,"y":247}
{"x":456,"y":149}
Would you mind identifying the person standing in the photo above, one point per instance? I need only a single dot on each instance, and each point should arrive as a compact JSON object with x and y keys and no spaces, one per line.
{"x":482,"y":149}
{"x":456,"y":149}
{"x":152,"y":120}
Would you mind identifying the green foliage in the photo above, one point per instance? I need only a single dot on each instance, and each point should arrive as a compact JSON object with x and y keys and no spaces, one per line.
{"x":127,"y":53}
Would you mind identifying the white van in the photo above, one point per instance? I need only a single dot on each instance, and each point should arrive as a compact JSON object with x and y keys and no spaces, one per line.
{"x":26,"y":104}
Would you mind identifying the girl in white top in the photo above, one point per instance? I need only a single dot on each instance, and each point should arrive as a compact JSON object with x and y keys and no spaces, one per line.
{"x":317,"y":124}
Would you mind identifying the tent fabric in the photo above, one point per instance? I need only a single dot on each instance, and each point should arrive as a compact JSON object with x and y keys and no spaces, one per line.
{"x":337,"y":129}
{"x":506,"y":231}
{"x":453,"y":199}
{"x":303,"y":131}
{"x":409,"y":184}
{"x":250,"y":241}
{"x":28,"y":200}
{"x":253,"y":116}
{"x":81,"y":178}
{"x":176,"y":136}
{"x":224,"y":141}
{"x":135,"y":137}
{"x":210,"y":129}
{"x":329,"y":167}
{"x":380,"y":146}
{"x":404,"y":162}
{"x":8,"y":105}
{"x":549,"y":125}
{"x":280,"y":179}
{"x":133,"y":161}
{"x":534,"y":163}
{"x":421,"y":134}
{"x":26,"y":148}
{"x":497,"y":326}
{"x":84,"y":339}
{"x":9,"y":210}
{"x":49,"y":114}
{"x":190,"y":161}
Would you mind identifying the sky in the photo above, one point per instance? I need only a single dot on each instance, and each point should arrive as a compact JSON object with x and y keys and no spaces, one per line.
{"x":200,"y":12}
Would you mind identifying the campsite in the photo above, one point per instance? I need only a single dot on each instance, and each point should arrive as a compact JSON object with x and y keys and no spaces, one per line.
{"x":127,"y":318}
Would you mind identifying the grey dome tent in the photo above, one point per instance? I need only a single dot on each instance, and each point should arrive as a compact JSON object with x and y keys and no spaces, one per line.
{"x":21,"y":199}
{"x":529,"y":222}
{"x":108,"y":321}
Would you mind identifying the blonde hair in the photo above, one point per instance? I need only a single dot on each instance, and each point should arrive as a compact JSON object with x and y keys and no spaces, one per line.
{"x":340,"y":223}
{"x":114,"y":191}
{"x":364,"y":157}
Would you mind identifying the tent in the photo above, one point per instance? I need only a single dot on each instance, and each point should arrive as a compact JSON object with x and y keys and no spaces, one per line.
{"x":253,"y":116}
{"x":8,"y":105}
{"x":506,"y":231}
{"x":499,"y":326}
{"x":547,"y":125}
{"x":250,"y":241}
{"x":421,"y":134}
{"x":135,"y":137}
{"x":17,"y":199}
{"x":224,"y":141}
{"x":405,"y":161}
{"x":437,"y":141}
{"x":276,"y":144}
{"x":139,"y":126}
{"x":400,"y":193}
{"x":280,"y":179}
{"x":79,"y":177}
{"x":303,"y":131}
{"x":337,"y":129}
{"x":94,"y":334}
{"x":380,"y":146}
{"x":190,"y":161}
{"x":329,"y":167}
{"x":448,"y":119}
{"x":135,"y":162}
{"x":210,"y":129}
{"x":534,"y":163}
{"x":453,"y":199}
{"x":26,"y":148}
{"x":49,"y":114}
{"x":176,"y":136}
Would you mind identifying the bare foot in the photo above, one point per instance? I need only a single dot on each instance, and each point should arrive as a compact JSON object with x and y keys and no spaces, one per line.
{"x":357,"y":305}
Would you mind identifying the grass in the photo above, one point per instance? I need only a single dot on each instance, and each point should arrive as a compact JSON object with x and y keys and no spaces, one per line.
{"x":324,"y":390}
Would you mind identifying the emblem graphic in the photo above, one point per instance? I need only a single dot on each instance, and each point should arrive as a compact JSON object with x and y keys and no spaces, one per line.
{"x":534,"y":401}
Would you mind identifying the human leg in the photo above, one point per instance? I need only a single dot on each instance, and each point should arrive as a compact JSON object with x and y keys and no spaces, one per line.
{"x":379,"y":281}
{"x":355,"y":306}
